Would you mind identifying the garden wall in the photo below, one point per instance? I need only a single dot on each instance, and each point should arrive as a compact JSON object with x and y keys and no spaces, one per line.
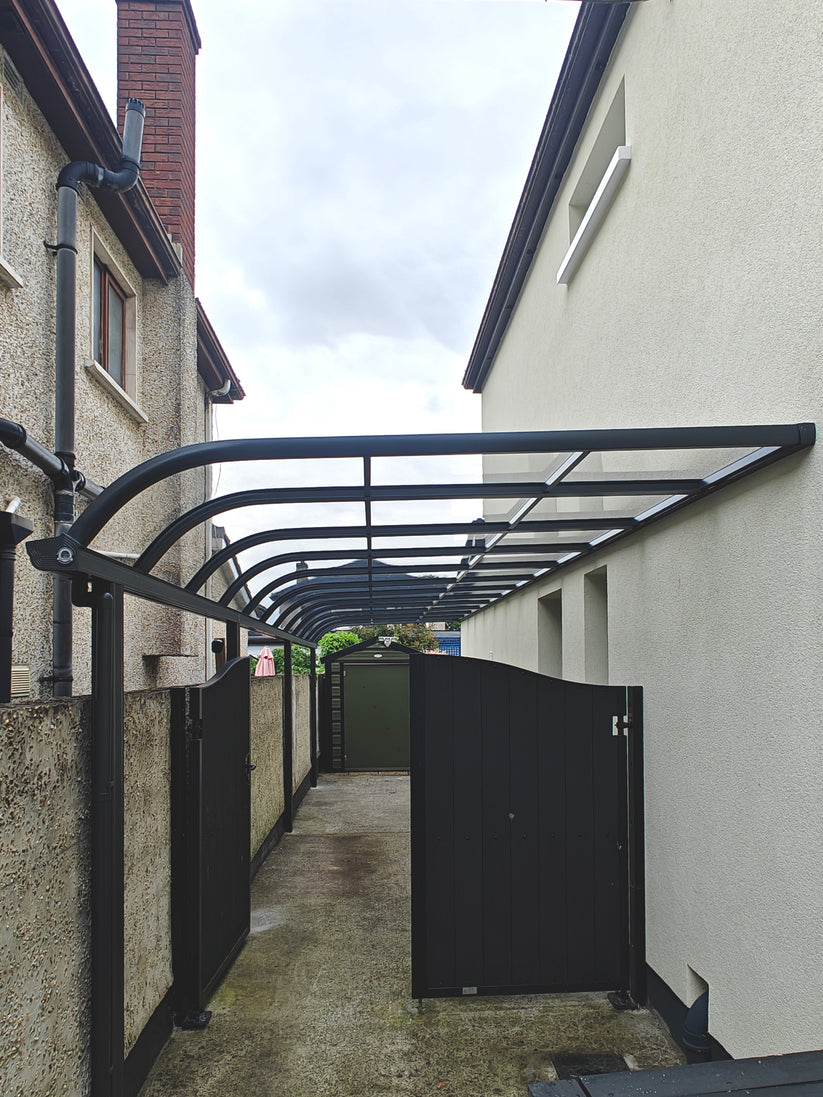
{"x":45,"y":867}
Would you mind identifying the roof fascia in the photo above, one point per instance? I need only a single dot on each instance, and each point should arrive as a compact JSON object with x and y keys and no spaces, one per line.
{"x":213,"y":363}
{"x":593,"y":39}
{"x":343,"y":653}
{"x":33,"y":34}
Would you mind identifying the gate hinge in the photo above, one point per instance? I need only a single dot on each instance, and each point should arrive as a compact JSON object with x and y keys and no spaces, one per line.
{"x":621,"y":724}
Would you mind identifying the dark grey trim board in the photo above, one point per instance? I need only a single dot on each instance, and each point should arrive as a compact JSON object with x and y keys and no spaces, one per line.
{"x":150,"y":1043}
{"x":662,"y":998}
{"x":796,"y":1075}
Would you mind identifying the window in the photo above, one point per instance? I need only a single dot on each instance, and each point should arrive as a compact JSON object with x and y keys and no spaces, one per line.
{"x":596,"y":626}
{"x":599,"y":181}
{"x":109,"y":324}
{"x":550,"y":634}
{"x":113,"y":331}
{"x":8,"y":276}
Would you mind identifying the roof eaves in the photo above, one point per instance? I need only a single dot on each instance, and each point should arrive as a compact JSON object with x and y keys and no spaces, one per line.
{"x":36,"y":39}
{"x":213,"y":363}
{"x":593,"y":39}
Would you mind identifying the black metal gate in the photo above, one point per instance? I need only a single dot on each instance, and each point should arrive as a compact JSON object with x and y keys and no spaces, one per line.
{"x":210,"y":834}
{"x":527,"y":835}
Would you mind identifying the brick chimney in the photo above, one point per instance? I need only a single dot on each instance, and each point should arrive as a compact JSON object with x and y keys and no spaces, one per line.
{"x":157,"y":42}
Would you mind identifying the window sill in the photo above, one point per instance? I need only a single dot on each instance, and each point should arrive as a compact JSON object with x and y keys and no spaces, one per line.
{"x":113,"y":389}
{"x":595,"y":214}
{"x":9,"y":276}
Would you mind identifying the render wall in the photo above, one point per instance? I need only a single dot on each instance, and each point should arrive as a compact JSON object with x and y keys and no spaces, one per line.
{"x":45,"y":866}
{"x":45,"y":854}
{"x":169,"y":407}
{"x":301,"y":691}
{"x":267,"y":799}
{"x":696,"y":305}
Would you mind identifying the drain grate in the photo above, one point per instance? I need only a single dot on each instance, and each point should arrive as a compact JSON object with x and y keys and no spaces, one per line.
{"x":573,"y":1066}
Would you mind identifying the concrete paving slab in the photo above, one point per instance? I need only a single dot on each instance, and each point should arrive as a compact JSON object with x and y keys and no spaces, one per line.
{"x":317,"y":1004}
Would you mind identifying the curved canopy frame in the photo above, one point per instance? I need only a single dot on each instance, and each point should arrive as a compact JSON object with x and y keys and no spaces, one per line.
{"x":550,"y":499}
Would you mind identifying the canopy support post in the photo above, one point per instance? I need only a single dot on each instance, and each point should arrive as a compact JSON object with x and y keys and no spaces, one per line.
{"x":288,"y":740}
{"x":108,"y":871}
{"x":313,"y":715}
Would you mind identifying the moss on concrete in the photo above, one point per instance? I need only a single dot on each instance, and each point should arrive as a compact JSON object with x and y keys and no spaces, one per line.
{"x":318,"y":1002}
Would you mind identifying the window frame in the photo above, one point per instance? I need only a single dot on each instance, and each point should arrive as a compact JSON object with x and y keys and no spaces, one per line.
{"x":8,"y":275}
{"x":101,"y":352}
{"x":123,"y":392}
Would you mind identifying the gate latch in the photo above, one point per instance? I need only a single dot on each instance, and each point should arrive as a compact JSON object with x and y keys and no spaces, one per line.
{"x":621,"y":724}
{"x":249,"y":766}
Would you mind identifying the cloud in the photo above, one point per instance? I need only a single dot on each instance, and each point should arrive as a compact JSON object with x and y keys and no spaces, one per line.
{"x":359,"y":164}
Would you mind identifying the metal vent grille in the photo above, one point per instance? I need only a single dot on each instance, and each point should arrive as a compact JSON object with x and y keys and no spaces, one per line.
{"x":12,"y":79}
{"x":20,"y":682}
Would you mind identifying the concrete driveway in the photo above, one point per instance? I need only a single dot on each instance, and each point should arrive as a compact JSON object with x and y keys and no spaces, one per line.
{"x":317,"y":1004}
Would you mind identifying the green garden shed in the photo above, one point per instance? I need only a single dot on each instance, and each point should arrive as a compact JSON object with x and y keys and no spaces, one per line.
{"x":364,"y":711}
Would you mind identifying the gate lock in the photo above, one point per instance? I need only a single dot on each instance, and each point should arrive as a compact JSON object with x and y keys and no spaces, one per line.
{"x":621,"y":724}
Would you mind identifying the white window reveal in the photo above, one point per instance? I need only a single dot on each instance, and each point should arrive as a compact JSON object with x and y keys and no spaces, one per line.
{"x":599,"y":182}
{"x":8,"y":275}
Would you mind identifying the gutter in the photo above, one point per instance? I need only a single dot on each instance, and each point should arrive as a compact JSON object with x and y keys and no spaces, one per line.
{"x":593,"y":39}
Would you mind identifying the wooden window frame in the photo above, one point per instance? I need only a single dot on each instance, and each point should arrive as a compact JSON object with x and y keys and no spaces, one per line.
{"x":101,"y":351}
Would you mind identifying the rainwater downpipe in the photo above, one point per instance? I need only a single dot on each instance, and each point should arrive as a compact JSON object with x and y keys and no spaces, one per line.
{"x":69,"y":182}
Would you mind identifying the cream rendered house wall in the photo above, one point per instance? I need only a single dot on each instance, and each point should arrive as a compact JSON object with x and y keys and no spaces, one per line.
{"x":699,"y":303}
{"x":109,"y":438}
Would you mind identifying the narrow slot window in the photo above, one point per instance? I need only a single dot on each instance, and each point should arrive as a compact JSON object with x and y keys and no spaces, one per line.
{"x":596,"y":625}
{"x":550,"y":634}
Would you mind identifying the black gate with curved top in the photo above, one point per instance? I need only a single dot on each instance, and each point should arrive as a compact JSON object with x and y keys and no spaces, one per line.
{"x":211,"y":808}
{"x":527,"y":846}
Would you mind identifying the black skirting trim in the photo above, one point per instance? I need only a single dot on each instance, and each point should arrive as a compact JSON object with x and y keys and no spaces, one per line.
{"x":673,"y":1013}
{"x":150,"y":1043}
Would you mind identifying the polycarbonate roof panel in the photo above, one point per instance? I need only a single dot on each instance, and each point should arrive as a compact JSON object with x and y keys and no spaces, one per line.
{"x":330,"y":532}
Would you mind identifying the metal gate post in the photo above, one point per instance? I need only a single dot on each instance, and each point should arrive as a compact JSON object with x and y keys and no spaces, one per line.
{"x":107,"y":879}
{"x":313,"y":715}
{"x":637,"y":848}
{"x":288,"y":739}
{"x":232,"y":641}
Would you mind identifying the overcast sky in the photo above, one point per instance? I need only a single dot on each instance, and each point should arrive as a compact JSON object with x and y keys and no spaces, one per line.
{"x":359,"y":163}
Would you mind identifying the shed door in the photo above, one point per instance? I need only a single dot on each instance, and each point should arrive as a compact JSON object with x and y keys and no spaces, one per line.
{"x":376,"y":716}
{"x":520,"y":832}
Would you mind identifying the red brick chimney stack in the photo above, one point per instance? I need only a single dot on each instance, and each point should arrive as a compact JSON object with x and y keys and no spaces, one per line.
{"x":157,"y":42}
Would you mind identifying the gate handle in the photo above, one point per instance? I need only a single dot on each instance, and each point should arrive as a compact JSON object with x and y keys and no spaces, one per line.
{"x":249,"y":766}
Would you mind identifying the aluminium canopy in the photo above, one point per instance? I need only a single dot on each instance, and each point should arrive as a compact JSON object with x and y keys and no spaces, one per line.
{"x":404,"y":528}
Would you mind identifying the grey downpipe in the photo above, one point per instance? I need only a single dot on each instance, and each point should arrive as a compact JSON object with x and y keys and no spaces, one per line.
{"x":696,"y":1037}
{"x":69,"y":182}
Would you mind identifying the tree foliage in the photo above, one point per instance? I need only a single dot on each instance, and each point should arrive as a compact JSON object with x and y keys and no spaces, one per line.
{"x":411,"y":636}
{"x":336,"y":641}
